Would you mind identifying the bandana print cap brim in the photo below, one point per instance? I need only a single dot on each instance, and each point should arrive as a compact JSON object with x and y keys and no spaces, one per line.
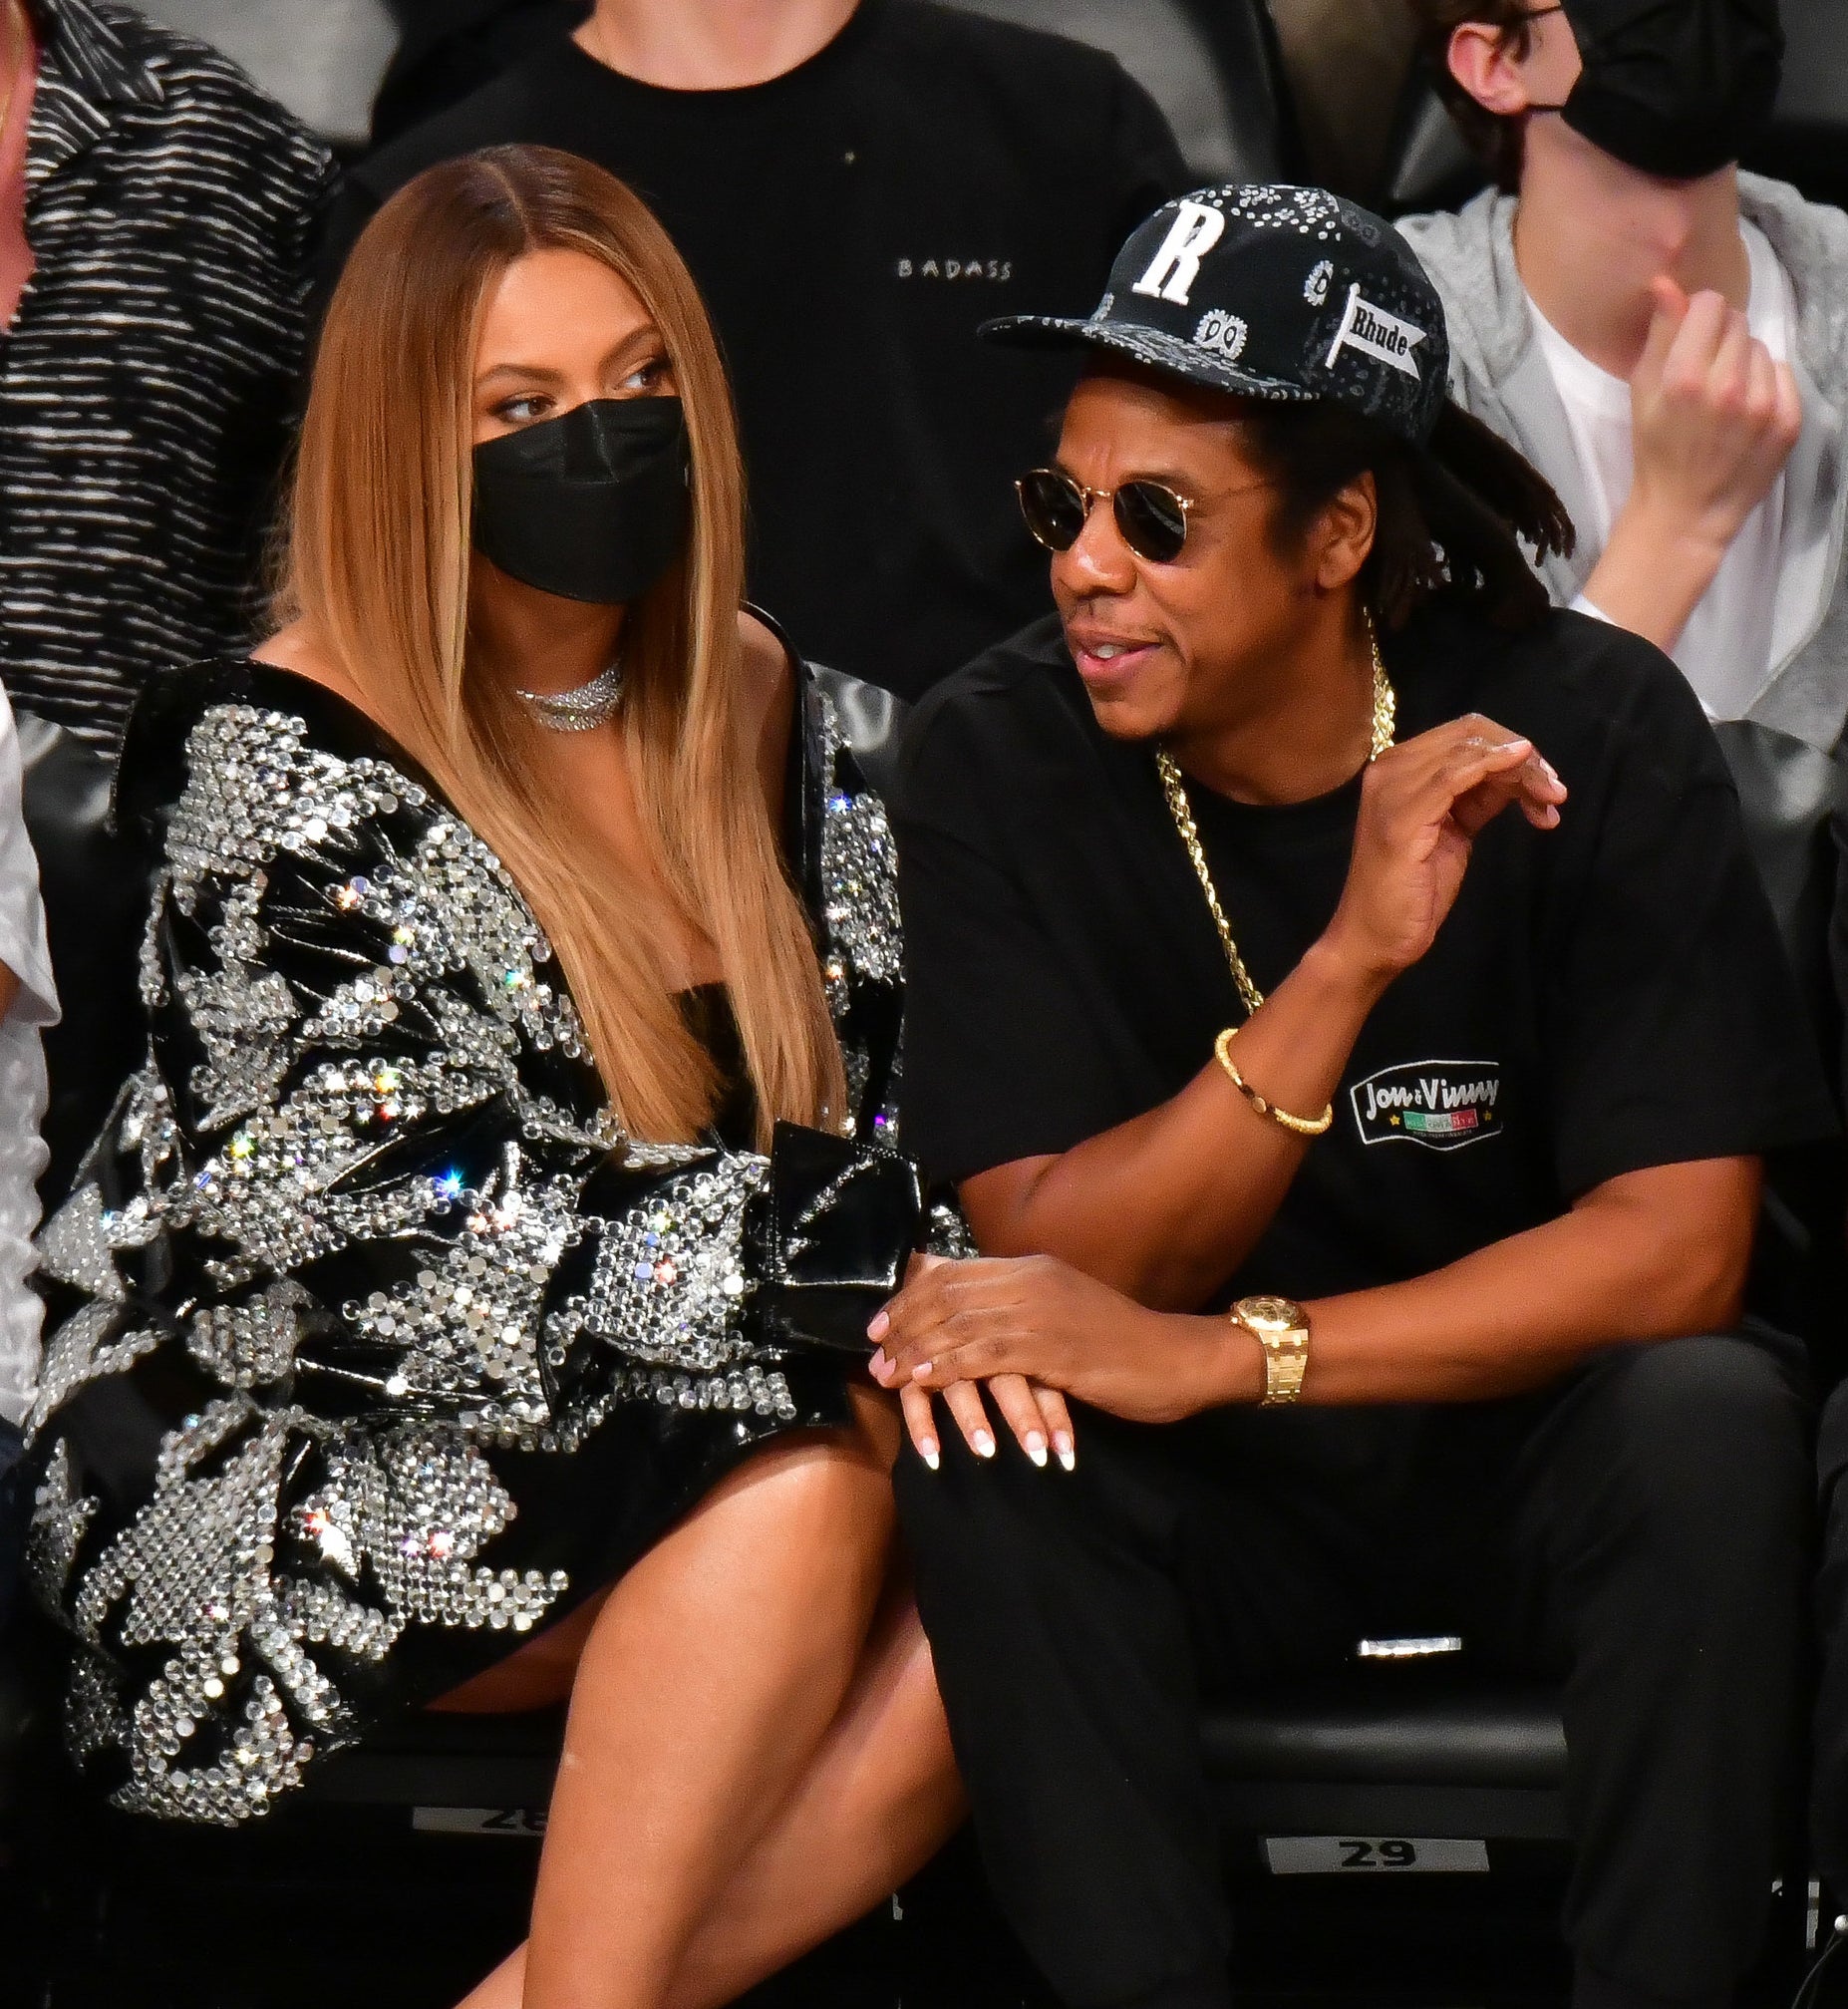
{"x":1148,"y":346}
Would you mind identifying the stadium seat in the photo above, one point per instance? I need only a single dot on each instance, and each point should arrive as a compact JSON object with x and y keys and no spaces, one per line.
{"x":1382,"y":1752}
{"x":1392,"y":1751}
{"x":1429,"y":166}
{"x":448,"y":49}
{"x":1809,"y":140}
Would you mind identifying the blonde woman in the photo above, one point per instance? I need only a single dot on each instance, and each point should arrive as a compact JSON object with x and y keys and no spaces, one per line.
{"x":522,"y":992}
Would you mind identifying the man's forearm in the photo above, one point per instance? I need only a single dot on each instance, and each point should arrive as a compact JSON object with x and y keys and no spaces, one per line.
{"x":1654,"y":1255}
{"x":1653,"y":574}
{"x":1165,"y":1207}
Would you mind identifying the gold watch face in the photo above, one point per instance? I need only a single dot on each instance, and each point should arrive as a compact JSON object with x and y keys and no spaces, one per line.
{"x":1280,"y":1312}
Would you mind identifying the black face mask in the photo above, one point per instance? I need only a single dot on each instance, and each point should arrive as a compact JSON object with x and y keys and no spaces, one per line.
{"x":1675,"y":88}
{"x":590,"y":506}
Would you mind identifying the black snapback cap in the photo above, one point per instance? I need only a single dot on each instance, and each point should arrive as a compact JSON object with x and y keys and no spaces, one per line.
{"x":1270,"y":291}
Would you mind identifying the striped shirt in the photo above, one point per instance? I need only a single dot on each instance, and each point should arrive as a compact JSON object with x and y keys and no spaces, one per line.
{"x":151,"y":374}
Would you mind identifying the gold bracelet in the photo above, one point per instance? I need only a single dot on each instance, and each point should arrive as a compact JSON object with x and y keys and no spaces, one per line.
{"x":1299,"y":1126}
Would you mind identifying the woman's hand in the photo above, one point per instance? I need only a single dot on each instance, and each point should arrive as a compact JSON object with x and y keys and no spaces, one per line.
{"x":1039,"y":1319}
{"x":1421,"y":806}
{"x":1037,"y":1415}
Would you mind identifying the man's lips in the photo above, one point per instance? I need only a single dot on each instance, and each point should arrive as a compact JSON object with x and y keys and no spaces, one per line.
{"x":1104,"y":660}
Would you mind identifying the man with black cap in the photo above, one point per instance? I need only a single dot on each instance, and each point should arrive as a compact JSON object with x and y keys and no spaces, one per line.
{"x":1338,"y":986}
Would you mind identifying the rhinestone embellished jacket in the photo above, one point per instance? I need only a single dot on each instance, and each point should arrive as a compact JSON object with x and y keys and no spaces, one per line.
{"x":361,"y":1230}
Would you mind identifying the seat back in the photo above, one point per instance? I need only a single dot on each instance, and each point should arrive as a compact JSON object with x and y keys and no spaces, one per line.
{"x":448,"y":49}
{"x":1428,"y":163}
{"x":1808,"y":141}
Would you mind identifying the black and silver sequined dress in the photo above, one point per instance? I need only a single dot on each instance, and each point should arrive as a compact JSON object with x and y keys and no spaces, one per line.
{"x":371,"y":1344}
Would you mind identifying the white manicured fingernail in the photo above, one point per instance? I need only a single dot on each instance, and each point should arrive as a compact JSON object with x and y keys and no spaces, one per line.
{"x":1068,"y":1456}
{"x":1035,"y":1447}
{"x":929,"y":1454}
{"x":984,"y":1444}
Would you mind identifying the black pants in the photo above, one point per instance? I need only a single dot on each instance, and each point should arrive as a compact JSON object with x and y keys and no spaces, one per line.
{"x":1638,"y":1529}
{"x":1829,"y":1792}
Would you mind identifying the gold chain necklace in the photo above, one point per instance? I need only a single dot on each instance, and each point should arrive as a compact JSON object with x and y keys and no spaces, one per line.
{"x":1386,"y":711}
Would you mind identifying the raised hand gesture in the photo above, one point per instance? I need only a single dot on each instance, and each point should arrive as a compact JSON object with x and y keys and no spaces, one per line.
{"x":1421,"y":806}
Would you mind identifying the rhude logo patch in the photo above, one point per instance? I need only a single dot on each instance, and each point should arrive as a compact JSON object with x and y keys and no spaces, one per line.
{"x":1375,"y":333}
{"x":1443,"y":1104}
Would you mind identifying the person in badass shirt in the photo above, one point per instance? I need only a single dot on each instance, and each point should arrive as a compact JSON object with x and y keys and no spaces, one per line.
{"x":1341,"y":991}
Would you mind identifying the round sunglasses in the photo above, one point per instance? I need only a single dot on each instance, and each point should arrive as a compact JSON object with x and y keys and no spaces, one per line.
{"x":1150,"y":518}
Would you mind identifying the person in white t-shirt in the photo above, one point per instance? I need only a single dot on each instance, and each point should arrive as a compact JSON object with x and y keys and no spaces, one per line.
{"x":1724,"y":645}
{"x":1665,"y":337}
{"x":1648,"y":326}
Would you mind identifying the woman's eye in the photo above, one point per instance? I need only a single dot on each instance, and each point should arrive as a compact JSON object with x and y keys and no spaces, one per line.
{"x":646,"y":375}
{"x":522,"y":410}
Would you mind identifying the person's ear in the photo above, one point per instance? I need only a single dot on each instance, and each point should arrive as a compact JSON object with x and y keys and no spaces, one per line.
{"x":1344,"y":535}
{"x":1490,"y":64}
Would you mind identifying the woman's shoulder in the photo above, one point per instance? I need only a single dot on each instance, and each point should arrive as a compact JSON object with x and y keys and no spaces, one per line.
{"x":232,"y":723}
{"x":771,"y":665}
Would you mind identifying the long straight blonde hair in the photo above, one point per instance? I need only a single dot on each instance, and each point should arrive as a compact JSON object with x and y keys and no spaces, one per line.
{"x":376,"y":558}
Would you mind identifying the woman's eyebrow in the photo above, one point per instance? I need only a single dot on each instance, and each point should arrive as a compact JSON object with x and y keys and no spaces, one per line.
{"x":648,"y":338}
{"x":639,"y":339}
{"x":524,"y":370}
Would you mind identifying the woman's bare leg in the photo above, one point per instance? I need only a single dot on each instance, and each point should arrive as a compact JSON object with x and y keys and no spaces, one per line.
{"x":880,"y":1800}
{"x":881,"y":1797}
{"x":709,"y":1679}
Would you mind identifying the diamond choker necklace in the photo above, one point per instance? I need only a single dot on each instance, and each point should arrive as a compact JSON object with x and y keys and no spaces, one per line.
{"x":581,"y":710}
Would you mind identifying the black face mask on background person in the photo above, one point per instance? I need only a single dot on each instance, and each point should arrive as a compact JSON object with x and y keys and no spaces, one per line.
{"x":1674,"y":88}
{"x":590,"y":506}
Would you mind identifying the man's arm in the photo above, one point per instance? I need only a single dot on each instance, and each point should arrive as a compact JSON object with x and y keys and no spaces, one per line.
{"x":1650,"y":1255}
{"x":1167,"y":1205}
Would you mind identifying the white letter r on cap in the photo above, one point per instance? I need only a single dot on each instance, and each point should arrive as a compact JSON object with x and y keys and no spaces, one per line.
{"x":1173,"y":269}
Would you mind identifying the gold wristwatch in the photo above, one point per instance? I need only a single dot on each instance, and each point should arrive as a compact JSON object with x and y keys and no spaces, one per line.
{"x":1281,"y":1327}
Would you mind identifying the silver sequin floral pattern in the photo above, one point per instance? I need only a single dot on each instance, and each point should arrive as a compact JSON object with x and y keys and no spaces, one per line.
{"x":365,"y":1197}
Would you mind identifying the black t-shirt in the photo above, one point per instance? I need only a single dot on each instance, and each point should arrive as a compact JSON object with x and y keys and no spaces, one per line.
{"x":1602,"y":997}
{"x":850,"y":225}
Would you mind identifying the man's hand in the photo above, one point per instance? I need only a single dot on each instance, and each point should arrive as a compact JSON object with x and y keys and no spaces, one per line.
{"x":1421,"y":806}
{"x":1039,"y":1319}
{"x":1715,"y":419}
